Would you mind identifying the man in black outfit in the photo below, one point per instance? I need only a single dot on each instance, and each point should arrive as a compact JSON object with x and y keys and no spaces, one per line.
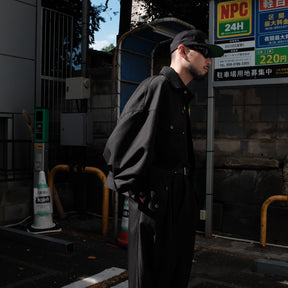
{"x":150,"y":156}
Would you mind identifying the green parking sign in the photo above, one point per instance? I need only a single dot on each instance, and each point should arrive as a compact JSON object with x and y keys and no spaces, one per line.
{"x":270,"y":56}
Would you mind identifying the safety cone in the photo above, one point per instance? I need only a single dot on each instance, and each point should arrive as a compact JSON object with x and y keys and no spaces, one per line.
{"x":123,"y":237}
{"x":43,"y":222}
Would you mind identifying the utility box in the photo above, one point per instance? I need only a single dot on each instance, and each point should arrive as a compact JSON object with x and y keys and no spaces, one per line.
{"x":78,"y":88}
{"x":73,"y":129}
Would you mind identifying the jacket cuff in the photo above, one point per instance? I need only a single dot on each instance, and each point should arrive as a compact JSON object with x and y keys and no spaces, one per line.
{"x":109,"y":183}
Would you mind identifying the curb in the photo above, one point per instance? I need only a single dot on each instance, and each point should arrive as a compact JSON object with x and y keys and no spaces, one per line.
{"x":271,"y":267}
{"x":105,"y":279}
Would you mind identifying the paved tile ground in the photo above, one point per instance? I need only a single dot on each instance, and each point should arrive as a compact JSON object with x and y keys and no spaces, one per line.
{"x":220,"y":263}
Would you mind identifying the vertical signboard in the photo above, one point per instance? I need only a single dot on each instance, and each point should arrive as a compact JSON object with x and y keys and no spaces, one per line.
{"x":254,"y":35}
{"x":234,"y":19}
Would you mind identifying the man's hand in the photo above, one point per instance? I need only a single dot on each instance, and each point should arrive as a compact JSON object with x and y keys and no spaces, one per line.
{"x":142,"y":197}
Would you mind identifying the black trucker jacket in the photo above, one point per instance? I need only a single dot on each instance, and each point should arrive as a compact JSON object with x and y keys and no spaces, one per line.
{"x":151,"y":135}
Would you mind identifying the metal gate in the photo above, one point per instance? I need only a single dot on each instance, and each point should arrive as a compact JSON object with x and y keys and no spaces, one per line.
{"x":56,"y":66}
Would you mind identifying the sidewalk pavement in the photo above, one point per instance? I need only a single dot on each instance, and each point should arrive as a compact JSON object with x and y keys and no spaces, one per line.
{"x":80,"y":256}
{"x":226,"y":262}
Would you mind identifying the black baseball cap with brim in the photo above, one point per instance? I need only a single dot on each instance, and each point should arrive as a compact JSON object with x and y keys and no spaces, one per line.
{"x":195,"y":37}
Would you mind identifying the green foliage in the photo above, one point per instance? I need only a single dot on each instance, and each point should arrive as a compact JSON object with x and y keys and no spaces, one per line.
{"x":195,"y":12}
{"x":74,"y":8}
{"x":108,"y":48}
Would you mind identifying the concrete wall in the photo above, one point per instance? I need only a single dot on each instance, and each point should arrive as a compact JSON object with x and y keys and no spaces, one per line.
{"x":17,"y":90}
{"x":17,"y":55}
{"x":250,"y":149}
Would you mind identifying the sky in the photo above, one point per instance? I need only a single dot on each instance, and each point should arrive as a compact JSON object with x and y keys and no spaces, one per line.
{"x":109,"y":29}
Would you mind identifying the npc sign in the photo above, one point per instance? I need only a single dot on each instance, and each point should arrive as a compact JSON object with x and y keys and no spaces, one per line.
{"x":234,"y":19}
{"x":254,"y":35}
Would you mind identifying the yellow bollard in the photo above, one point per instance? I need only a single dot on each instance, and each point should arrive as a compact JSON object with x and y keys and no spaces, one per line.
{"x":93,"y":170}
{"x":264,"y":215}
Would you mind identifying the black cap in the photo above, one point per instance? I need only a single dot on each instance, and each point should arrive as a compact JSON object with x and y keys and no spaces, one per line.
{"x":195,"y":37}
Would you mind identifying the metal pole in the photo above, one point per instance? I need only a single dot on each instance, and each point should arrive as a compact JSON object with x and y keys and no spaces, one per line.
{"x":38,"y":96}
{"x":118,"y":88}
{"x":38,"y":43}
{"x":84,"y":46}
{"x":210,"y":135}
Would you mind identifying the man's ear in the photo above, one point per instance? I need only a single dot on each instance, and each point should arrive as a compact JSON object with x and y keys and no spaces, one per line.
{"x":181,"y":50}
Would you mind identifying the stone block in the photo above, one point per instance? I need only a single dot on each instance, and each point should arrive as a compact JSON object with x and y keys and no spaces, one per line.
{"x":234,"y":186}
{"x":268,"y":183}
{"x":199,"y":145}
{"x":17,"y":212}
{"x":227,"y":145}
{"x":229,"y":129}
{"x":3,"y":191}
{"x":262,"y":148}
{"x":2,"y":215}
{"x":282,"y":130}
{"x":281,"y":149}
{"x":271,"y":267}
{"x":261,"y":130}
{"x":229,"y":113}
{"x":246,"y":162}
{"x":19,"y":195}
{"x":241,"y":220}
{"x":198,"y":113}
{"x":277,"y":217}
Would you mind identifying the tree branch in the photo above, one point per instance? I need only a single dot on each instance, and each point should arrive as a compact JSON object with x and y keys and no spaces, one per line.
{"x":106,"y":5}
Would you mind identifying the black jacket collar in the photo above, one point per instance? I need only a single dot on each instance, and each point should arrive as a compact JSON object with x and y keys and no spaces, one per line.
{"x":176,"y":81}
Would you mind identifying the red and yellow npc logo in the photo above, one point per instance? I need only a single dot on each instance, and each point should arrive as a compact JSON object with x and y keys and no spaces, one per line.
{"x":234,"y":18}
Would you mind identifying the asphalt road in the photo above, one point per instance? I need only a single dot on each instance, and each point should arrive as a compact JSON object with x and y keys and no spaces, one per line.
{"x":80,"y":251}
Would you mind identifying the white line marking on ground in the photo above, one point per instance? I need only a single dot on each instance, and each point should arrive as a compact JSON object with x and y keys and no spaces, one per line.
{"x":97,"y":278}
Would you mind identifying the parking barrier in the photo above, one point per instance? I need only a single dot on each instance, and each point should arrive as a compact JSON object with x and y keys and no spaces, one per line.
{"x":264,"y":208}
{"x":90,"y":170}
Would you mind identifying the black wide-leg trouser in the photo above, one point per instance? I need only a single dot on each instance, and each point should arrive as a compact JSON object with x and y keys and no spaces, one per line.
{"x":162,"y":235}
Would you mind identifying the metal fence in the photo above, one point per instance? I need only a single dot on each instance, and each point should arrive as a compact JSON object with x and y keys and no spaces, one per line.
{"x":57,"y":52}
{"x":54,"y":43}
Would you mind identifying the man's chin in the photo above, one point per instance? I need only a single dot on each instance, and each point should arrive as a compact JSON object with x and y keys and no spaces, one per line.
{"x":200,"y":76}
